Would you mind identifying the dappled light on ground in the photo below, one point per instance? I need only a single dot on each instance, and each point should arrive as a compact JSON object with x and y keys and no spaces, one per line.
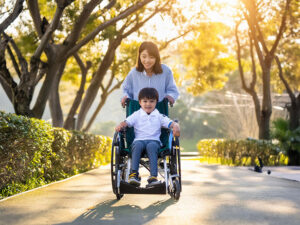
{"x":211,"y":194}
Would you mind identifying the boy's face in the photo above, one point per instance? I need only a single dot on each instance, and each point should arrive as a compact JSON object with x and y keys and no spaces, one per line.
{"x":148,"y":105}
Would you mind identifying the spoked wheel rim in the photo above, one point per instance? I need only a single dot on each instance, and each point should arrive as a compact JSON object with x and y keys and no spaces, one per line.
{"x":175,"y":161}
{"x":115,"y":166}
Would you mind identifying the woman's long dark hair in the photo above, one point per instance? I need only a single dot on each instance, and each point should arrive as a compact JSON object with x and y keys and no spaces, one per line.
{"x":153,"y":51}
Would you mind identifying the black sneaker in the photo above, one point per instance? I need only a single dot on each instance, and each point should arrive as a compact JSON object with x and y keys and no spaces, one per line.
{"x":152,"y":181}
{"x":134,"y":179}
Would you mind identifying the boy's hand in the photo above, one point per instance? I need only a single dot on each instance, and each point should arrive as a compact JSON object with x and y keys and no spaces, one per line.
{"x":176,"y":129}
{"x":121,"y":126}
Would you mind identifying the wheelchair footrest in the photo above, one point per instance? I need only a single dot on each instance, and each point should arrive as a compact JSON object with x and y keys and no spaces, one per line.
{"x":126,"y":188}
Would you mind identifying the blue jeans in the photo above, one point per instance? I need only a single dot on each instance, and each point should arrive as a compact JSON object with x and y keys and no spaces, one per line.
{"x":151,"y":147}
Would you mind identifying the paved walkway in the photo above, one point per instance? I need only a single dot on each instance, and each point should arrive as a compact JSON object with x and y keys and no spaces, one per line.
{"x":212,"y":195}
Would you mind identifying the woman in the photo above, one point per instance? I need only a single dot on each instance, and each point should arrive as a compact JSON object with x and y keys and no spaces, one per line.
{"x":149,"y":72}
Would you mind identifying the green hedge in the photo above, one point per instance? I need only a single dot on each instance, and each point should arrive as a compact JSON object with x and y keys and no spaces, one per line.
{"x":33,"y":153}
{"x":240,"y":152}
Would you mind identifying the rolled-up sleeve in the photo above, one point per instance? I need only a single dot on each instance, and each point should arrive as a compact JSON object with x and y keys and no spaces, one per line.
{"x":171,"y":88}
{"x":130,"y":120}
{"x":165,"y":121}
{"x":127,"y":86}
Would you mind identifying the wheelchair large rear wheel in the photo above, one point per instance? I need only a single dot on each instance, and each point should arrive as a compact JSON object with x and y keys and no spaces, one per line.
{"x":175,"y":163}
{"x":115,"y":166}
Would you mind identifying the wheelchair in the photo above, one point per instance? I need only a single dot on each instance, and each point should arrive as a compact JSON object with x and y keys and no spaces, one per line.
{"x":168,"y":159}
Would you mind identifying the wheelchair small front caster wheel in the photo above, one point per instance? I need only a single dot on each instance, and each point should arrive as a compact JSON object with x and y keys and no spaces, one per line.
{"x":175,"y":191}
{"x":119,"y":196}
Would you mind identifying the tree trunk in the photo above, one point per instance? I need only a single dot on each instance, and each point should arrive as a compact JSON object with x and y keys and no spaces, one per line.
{"x":54,"y":99}
{"x":55,"y":108}
{"x":71,"y":120}
{"x":44,"y":93}
{"x":294,"y":157}
{"x":294,"y":111}
{"x":92,"y":90}
{"x":266,"y":109}
{"x":21,"y":102}
{"x":264,"y":127}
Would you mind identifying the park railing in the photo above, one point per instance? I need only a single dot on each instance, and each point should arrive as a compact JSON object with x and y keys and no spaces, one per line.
{"x":33,"y":153}
{"x":240,"y":152}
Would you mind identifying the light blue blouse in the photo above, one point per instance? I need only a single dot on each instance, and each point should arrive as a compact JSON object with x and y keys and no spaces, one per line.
{"x":164,"y":83}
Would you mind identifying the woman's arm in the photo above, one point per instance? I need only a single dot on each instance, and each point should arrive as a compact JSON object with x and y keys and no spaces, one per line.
{"x":127,"y":88}
{"x":171,"y":88}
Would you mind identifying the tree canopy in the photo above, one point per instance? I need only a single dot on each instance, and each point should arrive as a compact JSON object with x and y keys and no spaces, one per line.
{"x":208,"y":58}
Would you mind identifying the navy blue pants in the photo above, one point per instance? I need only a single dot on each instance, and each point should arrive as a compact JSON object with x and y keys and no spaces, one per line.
{"x":151,"y":147}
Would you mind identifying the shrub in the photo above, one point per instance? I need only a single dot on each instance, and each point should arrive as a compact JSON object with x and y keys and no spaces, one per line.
{"x":25,"y":150}
{"x":289,"y":140}
{"x":87,"y":151}
{"x":240,"y":152}
{"x":34,"y":153}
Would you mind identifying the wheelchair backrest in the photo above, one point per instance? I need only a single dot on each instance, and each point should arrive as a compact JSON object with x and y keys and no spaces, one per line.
{"x":133,"y":105}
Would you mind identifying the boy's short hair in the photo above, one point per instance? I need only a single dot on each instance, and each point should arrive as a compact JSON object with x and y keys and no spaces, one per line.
{"x":149,"y":93}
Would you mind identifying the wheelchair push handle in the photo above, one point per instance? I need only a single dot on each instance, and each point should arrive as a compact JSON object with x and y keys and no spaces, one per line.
{"x":129,"y":99}
{"x":167,"y":100}
{"x":126,"y":103}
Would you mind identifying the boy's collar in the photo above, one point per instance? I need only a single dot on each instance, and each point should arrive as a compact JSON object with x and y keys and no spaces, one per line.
{"x":153,"y":113}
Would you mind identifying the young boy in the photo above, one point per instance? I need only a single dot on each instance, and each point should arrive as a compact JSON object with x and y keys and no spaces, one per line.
{"x":147,"y":123}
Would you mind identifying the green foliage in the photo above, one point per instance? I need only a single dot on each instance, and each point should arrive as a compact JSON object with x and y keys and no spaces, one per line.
{"x":191,"y":122}
{"x":126,"y":58}
{"x":289,"y":140}
{"x":240,"y":152}
{"x":27,"y":43}
{"x":207,"y":58}
{"x":33,"y":153}
{"x":47,"y":7}
{"x":289,"y":55}
{"x":25,"y":149}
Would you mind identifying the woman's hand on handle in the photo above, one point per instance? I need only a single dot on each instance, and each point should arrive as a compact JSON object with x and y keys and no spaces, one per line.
{"x":170,"y":99}
{"x":123,"y":101}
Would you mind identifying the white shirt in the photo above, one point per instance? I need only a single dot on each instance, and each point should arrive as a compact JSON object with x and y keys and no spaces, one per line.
{"x":147,"y":126}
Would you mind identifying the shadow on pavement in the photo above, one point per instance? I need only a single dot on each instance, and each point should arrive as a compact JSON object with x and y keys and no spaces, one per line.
{"x":107,"y":213}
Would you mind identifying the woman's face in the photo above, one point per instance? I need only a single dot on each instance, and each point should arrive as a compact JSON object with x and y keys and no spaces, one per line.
{"x":147,"y":60}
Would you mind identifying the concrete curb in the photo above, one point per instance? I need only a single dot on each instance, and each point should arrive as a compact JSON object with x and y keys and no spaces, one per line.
{"x":284,"y":172}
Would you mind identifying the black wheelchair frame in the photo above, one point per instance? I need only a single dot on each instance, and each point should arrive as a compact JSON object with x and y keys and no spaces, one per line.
{"x":169,"y":162}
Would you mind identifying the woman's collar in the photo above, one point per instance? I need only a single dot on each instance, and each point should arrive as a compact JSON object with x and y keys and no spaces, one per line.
{"x":145,"y":73}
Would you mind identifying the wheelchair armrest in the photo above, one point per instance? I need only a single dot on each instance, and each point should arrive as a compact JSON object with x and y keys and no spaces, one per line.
{"x":166,"y":129}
